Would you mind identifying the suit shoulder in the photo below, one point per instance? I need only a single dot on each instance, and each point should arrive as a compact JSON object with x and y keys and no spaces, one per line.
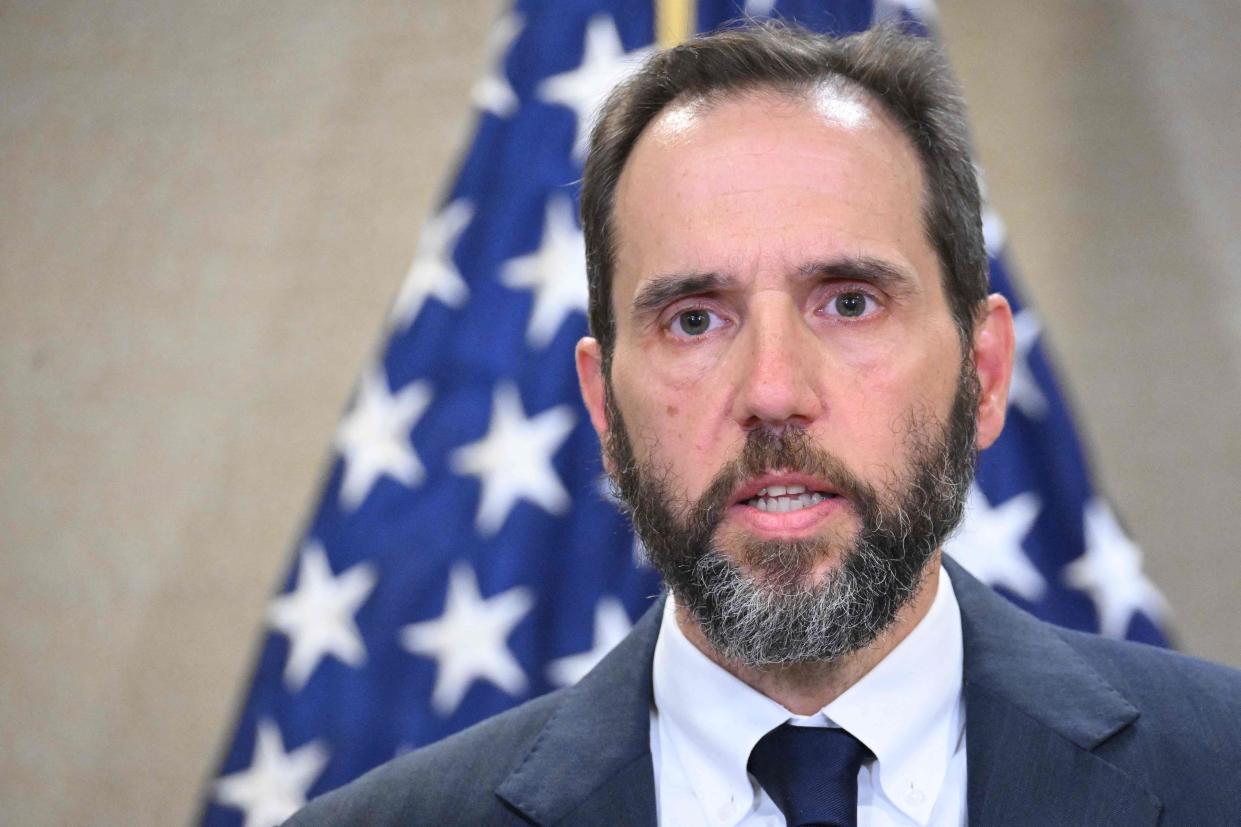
{"x":449,"y":782}
{"x":1191,"y":706}
{"x":1183,"y":745}
{"x":1152,"y":673}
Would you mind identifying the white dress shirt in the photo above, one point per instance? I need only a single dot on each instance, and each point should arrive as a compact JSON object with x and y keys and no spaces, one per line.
{"x":908,"y":710}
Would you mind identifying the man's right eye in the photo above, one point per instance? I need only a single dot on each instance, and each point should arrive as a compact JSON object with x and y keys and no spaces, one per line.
{"x":694,"y":322}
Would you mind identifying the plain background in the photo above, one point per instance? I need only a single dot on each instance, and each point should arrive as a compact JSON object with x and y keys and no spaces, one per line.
{"x":207,"y":208}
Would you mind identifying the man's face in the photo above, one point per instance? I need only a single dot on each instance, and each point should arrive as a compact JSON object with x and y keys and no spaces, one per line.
{"x":785,"y":358}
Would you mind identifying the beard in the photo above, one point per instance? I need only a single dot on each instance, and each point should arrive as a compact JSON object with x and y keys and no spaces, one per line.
{"x":760,"y":606}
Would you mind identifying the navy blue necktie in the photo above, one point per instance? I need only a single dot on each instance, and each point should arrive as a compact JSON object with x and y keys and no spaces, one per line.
{"x":810,"y":773}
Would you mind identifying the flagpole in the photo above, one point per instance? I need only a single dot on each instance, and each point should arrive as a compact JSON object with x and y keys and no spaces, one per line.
{"x":673,"y":21}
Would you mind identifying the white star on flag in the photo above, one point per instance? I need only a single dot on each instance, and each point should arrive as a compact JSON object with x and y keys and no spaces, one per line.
{"x":469,"y":640}
{"x":317,"y":615}
{"x":1024,"y":391}
{"x":1111,"y":572}
{"x":556,"y":272}
{"x":374,"y":437}
{"x":759,"y":8}
{"x":514,"y":460}
{"x":988,"y":543}
{"x":604,"y":64}
{"x":433,"y":273}
{"x":611,"y":625}
{"x":275,"y":784}
{"x":493,"y":93}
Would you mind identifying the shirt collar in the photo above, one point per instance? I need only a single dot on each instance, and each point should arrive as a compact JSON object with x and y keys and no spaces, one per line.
{"x":708,"y":718}
{"x":907,"y":710}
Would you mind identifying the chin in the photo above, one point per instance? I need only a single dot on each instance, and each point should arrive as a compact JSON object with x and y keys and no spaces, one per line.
{"x":804,"y":564}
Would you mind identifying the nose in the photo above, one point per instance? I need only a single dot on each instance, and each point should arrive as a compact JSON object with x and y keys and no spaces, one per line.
{"x":780,"y":367}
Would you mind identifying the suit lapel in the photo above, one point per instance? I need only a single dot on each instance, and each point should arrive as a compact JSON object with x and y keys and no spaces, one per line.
{"x":1034,"y":711}
{"x":591,"y":764}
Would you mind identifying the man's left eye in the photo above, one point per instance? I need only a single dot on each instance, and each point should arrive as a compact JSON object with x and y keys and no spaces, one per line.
{"x":851,"y":305}
{"x":694,"y":322}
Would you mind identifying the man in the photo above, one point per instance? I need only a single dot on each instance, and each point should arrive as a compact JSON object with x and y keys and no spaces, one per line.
{"x":794,"y":362}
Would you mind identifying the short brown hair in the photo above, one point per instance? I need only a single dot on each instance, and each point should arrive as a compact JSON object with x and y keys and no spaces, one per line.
{"x":907,"y":74}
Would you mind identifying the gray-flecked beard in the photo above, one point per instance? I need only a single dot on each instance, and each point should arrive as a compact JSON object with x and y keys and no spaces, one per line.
{"x":759,"y":605}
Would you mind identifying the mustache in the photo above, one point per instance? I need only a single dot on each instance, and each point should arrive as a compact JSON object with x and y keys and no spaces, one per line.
{"x":785,"y":449}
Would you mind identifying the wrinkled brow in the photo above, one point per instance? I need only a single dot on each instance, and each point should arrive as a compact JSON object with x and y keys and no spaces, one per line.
{"x":884,"y":274}
{"x":662,"y":290}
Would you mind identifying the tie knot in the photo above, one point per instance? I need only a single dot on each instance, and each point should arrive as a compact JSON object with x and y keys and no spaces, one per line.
{"x":810,"y":773}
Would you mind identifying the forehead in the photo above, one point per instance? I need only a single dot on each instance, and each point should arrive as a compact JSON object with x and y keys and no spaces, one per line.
{"x":767,"y":179}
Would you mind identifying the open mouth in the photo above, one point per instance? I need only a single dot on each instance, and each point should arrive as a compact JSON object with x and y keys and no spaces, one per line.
{"x":781,"y":499}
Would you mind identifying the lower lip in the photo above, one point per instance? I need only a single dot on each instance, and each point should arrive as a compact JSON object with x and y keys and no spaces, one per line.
{"x":776,"y":524}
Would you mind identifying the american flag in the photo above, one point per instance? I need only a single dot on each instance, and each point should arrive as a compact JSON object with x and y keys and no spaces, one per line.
{"x":464,"y":555}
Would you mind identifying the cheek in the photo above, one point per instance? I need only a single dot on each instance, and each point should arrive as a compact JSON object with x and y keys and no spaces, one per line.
{"x":671,"y":427}
{"x":865,"y":418}
{"x":655,"y":411}
{"x":876,"y":397}
{"x":674,"y":421}
{"x":679,"y":369}
{"x":677,"y":388}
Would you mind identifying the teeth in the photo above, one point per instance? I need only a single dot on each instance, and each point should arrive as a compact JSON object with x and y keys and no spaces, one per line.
{"x":781,"y":490}
{"x":782,"y":504}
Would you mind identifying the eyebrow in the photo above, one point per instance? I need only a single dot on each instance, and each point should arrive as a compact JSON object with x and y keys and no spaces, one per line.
{"x":881,"y":273}
{"x":662,"y":290}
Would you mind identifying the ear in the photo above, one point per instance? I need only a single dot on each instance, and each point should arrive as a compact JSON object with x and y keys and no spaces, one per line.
{"x":589,"y":359}
{"x":993,"y":359}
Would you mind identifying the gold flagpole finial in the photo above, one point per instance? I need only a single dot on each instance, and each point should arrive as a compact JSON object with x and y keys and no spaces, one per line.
{"x":674,"y":21}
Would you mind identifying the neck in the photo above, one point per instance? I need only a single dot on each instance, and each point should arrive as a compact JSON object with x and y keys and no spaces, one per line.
{"x":805,"y":688}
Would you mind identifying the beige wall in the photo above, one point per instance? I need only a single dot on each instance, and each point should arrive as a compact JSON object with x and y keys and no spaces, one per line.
{"x":1108,"y":131}
{"x":207,"y":208}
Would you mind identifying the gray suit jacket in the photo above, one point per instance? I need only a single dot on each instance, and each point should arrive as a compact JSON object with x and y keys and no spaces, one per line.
{"x":1062,"y":728}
